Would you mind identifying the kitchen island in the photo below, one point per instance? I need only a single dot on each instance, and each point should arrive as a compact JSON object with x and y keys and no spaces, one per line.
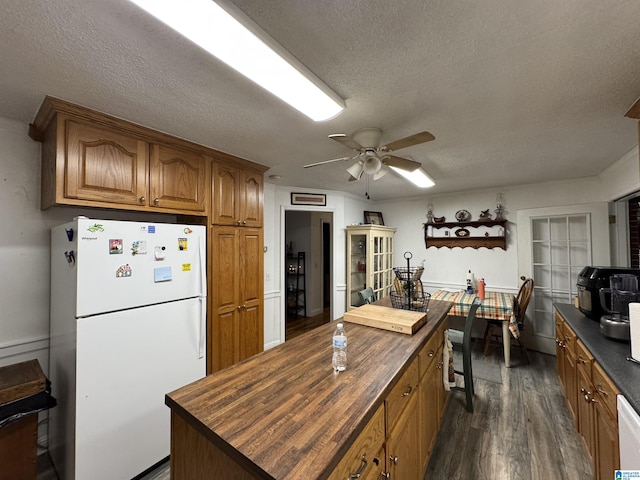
{"x":284,"y":413}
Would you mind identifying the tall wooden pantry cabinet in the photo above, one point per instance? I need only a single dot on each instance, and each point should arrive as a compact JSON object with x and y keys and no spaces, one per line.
{"x":369,"y":261}
{"x":236,"y":325}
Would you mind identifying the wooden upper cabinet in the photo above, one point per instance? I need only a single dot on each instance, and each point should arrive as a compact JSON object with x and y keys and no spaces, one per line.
{"x":237,"y":196}
{"x":103,"y":165}
{"x":92,"y":159}
{"x":178,"y":179}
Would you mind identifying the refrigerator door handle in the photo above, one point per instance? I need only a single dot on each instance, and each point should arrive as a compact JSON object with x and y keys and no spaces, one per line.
{"x":203,"y":266}
{"x":203,"y":327}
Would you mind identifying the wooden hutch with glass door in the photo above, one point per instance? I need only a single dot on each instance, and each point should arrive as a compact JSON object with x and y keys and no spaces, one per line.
{"x":369,"y":261}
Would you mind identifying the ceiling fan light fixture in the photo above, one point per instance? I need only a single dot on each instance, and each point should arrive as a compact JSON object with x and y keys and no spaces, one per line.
{"x":418,"y":177}
{"x":228,"y":34}
{"x":372,"y":164}
{"x":355,"y":170}
{"x":381,"y":173}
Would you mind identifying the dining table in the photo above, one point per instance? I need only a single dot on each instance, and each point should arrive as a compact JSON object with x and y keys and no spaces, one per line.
{"x":494,"y":306}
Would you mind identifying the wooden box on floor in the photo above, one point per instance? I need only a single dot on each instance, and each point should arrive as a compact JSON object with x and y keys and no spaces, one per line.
{"x":18,"y":439}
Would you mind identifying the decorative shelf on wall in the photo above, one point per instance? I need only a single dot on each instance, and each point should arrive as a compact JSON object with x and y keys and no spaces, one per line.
{"x":467,"y":240}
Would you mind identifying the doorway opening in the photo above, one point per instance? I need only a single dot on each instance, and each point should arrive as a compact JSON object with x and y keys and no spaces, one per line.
{"x":307,"y":270}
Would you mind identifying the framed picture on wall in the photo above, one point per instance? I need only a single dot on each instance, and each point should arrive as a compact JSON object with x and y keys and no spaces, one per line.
{"x":373,"y":218}
{"x":319,"y":199}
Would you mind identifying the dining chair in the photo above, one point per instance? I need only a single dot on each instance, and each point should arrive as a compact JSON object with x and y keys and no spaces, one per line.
{"x":367,"y":295}
{"x":520,"y":303}
{"x":463,"y":338}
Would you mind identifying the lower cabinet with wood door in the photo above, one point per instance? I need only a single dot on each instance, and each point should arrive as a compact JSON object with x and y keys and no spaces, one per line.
{"x":236,"y":328}
{"x":591,"y":397}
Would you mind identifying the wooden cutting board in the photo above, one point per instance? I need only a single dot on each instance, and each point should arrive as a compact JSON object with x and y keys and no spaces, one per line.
{"x":386,"y":318}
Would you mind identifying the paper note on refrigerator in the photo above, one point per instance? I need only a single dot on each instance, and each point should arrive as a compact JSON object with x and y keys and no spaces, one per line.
{"x":162,"y":274}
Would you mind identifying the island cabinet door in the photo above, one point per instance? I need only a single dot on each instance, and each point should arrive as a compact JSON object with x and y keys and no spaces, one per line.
{"x":403,"y":445}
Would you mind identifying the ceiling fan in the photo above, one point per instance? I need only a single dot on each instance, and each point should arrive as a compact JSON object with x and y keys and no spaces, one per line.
{"x":373,"y":159}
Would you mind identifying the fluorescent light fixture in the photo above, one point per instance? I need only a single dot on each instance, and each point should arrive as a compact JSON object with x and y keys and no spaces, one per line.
{"x":224,"y":31}
{"x":418,"y":177}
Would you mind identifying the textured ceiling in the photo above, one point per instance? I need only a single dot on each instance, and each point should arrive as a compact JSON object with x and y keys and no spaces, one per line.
{"x":514,"y":92}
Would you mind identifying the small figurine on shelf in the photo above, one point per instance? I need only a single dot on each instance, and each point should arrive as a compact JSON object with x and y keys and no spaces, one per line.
{"x":485,"y":215}
{"x":429,"y":213}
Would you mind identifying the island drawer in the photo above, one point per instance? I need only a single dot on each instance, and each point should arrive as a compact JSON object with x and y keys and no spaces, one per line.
{"x":402,"y":392}
{"x":429,"y":352}
{"x":361,"y":455}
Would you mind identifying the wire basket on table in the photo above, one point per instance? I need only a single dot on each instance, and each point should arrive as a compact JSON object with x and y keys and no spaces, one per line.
{"x":417,"y":301}
{"x":405,"y":274}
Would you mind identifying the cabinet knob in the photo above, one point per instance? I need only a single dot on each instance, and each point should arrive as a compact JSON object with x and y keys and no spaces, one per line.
{"x":407,"y":392}
{"x":142,"y":199}
{"x":393,"y":459}
{"x":244,"y":222}
{"x":431,"y":353}
{"x":238,"y":222}
{"x":156,"y":200}
{"x":239,"y":307}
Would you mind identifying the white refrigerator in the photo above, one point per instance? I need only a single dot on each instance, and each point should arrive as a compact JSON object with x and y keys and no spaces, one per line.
{"x":128,"y":323}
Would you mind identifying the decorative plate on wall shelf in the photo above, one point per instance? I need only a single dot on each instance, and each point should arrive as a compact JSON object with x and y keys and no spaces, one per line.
{"x":462,"y":232}
{"x":463,"y":215}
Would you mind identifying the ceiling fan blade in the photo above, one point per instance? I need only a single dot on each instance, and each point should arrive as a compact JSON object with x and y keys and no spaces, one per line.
{"x":401,"y":163}
{"x":415,"y":139}
{"x":327,"y":161}
{"x":346,"y":140}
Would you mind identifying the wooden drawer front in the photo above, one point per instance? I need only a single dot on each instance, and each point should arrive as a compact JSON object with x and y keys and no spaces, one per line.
{"x":604,"y":390}
{"x":403,"y":391}
{"x":428,"y":353}
{"x":364,"y":449}
{"x":584,"y":359}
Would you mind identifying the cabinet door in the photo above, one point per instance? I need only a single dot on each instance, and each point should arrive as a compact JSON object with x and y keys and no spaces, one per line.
{"x":428,"y":419}
{"x":403,"y":446}
{"x":251,"y":265}
{"x":104,"y":165}
{"x":178,"y":179}
{"x":225,"y":201}
{"x":224,"y":287}
{"x":584,"y":362}
{"x":607,"y":442}
{"x":251,"y":199}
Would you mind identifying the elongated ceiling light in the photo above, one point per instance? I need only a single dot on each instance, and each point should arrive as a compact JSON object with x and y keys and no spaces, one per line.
{"x":228,"y":34}
{"x":418,"y":177}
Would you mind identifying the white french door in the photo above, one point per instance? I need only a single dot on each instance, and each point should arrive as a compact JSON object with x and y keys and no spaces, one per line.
{"x":554,"y":244}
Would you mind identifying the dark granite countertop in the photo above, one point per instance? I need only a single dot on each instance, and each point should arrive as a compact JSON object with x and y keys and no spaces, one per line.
{"x":611,"y":355}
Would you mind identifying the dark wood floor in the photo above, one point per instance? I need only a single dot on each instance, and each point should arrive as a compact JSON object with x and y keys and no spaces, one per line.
{"x":297,"y":326}
{"x":520,"y":429}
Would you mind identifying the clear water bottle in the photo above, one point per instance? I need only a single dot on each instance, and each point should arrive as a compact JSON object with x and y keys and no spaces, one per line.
{"x":339,"y":349}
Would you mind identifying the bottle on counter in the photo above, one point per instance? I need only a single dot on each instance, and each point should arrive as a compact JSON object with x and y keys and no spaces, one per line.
{"x":469,"y":282}
{"x":481,"y":286}
{"x":339,"y":349}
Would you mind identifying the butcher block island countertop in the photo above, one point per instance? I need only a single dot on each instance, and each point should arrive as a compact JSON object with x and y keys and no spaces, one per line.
{"x":284,"y":413}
